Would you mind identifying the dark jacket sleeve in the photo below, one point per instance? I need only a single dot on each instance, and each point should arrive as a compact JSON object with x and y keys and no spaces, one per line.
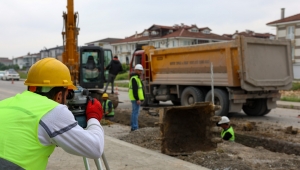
{"x":227,"y":136}
{"x":135,"y":89}
{"x":120,"y":68}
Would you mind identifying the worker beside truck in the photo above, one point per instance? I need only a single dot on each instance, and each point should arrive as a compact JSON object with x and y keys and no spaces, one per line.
{"x":136,"y":95}
{"x":35,"y":122}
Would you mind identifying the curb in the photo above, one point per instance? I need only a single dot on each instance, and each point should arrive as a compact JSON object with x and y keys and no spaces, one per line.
{"x":288,"y":106}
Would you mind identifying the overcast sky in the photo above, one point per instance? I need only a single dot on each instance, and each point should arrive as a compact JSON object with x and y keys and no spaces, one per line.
{"x":30,"y":25}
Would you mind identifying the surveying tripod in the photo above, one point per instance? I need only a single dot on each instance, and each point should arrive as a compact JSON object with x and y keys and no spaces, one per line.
{"x":97,"y":162}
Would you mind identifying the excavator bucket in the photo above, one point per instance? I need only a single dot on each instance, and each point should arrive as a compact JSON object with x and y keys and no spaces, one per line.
{"x":186,"y":129}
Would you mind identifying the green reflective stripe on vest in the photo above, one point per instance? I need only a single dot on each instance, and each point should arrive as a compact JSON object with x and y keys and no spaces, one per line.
{"x":230,"y":130}
{"x":19,"y":119}
{"x":112,"y":113}
{"x":140,"y":88}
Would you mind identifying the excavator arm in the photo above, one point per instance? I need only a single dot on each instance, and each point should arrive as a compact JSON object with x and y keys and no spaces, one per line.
{"x":70,"y":33}
{"x":87,"y":66}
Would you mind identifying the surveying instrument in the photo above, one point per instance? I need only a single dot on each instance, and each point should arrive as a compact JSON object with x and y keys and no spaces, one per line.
{"x":77,"y":102}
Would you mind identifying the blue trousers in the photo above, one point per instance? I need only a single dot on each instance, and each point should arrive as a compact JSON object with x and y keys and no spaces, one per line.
{"x":135,"y":115}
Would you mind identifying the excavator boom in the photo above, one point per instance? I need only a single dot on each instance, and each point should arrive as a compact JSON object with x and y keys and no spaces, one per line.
{"x":70,"y":55}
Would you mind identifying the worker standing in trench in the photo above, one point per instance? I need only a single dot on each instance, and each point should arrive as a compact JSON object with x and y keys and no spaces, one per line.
{"x":108,"y":107}
{"x":33,"y":123}
{"x":227,"y":132}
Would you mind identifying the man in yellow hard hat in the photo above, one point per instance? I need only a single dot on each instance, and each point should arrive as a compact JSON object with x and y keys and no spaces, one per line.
{"x":108,"y":107}
{"x":33,"y":123}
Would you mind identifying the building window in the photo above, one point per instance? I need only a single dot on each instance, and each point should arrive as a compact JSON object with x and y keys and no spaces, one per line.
{"x":127,"y":60}
{"x":194,"y":30}
{"x":206,"y":31}
{"x":146,"y":33}
{"x":290,"y":32}
{"x":153,"y":32}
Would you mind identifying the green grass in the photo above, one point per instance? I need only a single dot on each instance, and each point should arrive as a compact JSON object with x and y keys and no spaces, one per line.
{"x":291,"y":99}
{"x":296,"y":86}
{"x":122,"y":76}
{"x":119,"y":85}
{"x":22,"y":75}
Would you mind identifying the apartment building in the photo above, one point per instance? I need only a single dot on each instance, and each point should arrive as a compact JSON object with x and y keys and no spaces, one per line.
{"x":161,"y":36}
{"x":289,"y":28}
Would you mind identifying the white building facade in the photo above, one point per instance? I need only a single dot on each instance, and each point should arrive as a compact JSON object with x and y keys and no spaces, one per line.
{"x":164,"y":37}
{"x":289,"y":28}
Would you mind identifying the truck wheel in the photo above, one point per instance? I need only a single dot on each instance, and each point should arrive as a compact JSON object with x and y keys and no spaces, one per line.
{"x":266,"y":112}
{"x":176,"y":102}
{"x":191,"y":95}
{"x":256,"y":107}
{"x":221,"y":99}
{"x":145,"y":102}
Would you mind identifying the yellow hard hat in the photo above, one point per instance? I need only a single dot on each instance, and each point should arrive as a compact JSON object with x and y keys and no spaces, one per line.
{"x":49,"y":72}
{"x":105,"y":95}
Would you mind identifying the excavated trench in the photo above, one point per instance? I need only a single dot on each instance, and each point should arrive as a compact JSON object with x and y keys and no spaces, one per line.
{"x":189,"y":129}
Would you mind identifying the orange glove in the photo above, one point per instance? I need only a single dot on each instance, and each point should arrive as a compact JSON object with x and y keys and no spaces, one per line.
{"x":94,"y":109}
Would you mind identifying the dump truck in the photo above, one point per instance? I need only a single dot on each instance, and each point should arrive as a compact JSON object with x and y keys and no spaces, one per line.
{"x":247,"y":74}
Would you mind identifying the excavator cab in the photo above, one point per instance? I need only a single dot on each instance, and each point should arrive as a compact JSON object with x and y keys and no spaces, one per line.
{"x":91,"y":67}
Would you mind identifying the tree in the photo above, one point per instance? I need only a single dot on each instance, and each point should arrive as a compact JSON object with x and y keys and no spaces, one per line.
{"x":13,"y":66}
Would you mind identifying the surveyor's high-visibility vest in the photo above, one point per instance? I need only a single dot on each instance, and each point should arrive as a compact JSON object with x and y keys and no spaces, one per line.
{"x":19,"y":119}
{"x":140,"y":88}
{"x":112,"y":113}
{"x":229,"y":130}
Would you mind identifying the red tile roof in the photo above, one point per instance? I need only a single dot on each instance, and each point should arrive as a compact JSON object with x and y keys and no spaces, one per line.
{"x":287,"y":19}
{"x":250,"y":34}
{"x":178,"y":31}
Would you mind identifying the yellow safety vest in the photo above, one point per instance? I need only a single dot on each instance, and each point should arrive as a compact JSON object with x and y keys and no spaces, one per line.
{"x":229,"y":130}
{"x":140,"y":88}
{"x":112,"y":113}
{"x":19,"y":119}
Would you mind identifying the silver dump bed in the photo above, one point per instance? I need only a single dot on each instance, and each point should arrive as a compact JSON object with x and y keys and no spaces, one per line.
{"x":265,"y":64}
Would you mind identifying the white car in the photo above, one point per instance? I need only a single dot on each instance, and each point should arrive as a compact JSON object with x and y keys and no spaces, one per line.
{"x":1,"y":74}
{"x":11,"y":74}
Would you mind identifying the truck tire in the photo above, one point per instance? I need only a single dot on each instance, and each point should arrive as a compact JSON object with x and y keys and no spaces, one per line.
{"x":176,"y":102}
{"x":145,"y":102}
{"x":256,"y":107}
{"x":266,"y":112}
{"x":221,"y":98}
{"x":191,"y":95}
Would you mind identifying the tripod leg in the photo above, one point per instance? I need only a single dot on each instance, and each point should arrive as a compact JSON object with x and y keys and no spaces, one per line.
{"x":98,"y":164}
{"x":86,"y":163}
{"x":105,"y":161}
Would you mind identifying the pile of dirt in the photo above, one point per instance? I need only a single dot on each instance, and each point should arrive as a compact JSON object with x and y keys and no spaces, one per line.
{"x":228,"y":155}
{"x":123,"y":116}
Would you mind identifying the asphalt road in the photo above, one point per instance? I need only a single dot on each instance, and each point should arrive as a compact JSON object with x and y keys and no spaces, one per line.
{"x":285,"y":117}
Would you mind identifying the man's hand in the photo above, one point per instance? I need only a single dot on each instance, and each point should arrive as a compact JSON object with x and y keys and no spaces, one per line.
{"x":138,"y":102}
{"x":94,"y":110}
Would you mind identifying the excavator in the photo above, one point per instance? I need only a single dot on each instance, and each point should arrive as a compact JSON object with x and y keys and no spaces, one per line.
{"x":87,"y":64}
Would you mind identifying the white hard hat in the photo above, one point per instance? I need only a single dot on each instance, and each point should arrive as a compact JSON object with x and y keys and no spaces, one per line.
{"x":224,"y":119}
{"x":138,"y":67}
